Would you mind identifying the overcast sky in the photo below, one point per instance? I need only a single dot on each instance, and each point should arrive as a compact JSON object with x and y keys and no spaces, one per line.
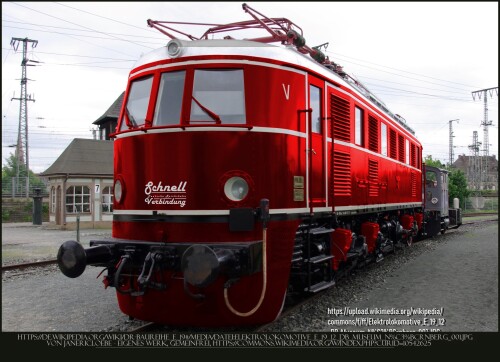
{"x":423,"y":59}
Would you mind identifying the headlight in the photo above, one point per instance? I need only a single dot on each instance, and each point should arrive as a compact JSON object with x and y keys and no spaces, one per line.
{"x":174,"y":48}
{"x":236,"y":188}
{"x":118,"y":190}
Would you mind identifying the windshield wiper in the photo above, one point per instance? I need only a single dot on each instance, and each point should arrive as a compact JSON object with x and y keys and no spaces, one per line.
{"x":213,"y":115}
{"x":131,"y":119}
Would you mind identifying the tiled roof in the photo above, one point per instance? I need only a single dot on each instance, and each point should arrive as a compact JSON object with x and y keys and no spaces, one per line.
{"x":84,"y":157}
{"x":113,"y":112}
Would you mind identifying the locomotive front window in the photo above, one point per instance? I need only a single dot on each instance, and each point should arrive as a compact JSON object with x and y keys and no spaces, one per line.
{"x":431,"y":178}
{"x":169,"y":101}
{"x":137,"y":103}
{"x":218,"y":96}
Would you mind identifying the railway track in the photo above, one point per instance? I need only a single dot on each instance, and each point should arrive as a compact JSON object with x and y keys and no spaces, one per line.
{"x":33,"y":264}
{"x":43,"y":263}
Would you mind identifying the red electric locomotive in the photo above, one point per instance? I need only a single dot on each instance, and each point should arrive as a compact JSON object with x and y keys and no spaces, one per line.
{"x":245,"y":171}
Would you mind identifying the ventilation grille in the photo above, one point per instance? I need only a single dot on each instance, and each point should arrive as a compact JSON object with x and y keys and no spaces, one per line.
{"x":340,"y":112}
{"x":372,"y":134}
{"x":413,"y":155}
{"x":401,"y":146}
{"x":394,"y":146}
{"x":373,"y":178}
{"x":413,"y":184}
{"x":419,"y":165}
{"x":341,"y":174}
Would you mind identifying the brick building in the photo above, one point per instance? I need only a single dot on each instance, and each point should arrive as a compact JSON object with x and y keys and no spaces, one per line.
{"x":472,"y":169}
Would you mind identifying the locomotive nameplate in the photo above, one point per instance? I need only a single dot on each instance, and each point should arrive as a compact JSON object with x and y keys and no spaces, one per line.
{"x":298,"y":182}
{"x":298,"y":194}
{"x":298,"y":188}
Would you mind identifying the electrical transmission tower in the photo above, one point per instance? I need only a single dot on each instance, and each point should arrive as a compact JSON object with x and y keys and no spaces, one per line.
{"x":451,"y":140}
{"x":485,"y":123}
{"x":474,"y":167}
{"x":22,"y":150}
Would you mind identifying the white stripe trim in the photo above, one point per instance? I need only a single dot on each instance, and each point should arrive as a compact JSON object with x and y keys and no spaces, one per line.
{"x":214,"y":129}
{"x":375,"y":206}
{"x":171,"y":212}
{"x":272,"y":211}
{"x":206,"y":212}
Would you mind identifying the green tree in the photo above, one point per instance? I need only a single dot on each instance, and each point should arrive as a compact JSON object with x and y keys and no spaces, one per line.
{"x":10,"y":170}
{"x":430,"y":162}
{"x":457,"y":186}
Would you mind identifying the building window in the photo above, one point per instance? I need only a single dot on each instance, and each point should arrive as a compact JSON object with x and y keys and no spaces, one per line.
{"x":358,"y":126}
{"x":107,"y":199}
{"x":315,"y":94}
{"x":78,"y":199}
{"x":384,"y":139}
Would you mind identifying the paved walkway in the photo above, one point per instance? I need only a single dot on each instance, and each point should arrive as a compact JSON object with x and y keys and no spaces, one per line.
{"x":24,"y":242}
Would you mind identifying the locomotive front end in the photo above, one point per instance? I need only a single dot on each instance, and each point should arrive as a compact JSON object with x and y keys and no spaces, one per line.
{"x":193,"y":240}
{"x":245,"y":172}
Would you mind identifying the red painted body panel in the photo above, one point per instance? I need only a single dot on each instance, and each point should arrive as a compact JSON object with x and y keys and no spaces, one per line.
{"x":370,"y":230}
{"x":341,"y":243}
{"x":419,"y":218}
{"x":406,"y":221}
{"x":201,"y":159}
{"x":174,"y":307}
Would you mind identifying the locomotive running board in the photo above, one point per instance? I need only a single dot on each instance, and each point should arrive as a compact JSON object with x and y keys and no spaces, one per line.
{"x":320,"y":286}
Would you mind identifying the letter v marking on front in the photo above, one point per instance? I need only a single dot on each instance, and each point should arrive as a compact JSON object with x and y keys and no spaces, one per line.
{"x":286,"y":90}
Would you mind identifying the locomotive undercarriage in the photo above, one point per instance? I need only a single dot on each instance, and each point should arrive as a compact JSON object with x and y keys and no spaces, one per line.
{"x":134,"y":267}
{"x":314,"y":266}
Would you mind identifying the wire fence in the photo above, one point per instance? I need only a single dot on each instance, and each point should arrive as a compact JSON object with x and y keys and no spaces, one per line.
{"x":481,"y":204}
{"x":19,"y":187}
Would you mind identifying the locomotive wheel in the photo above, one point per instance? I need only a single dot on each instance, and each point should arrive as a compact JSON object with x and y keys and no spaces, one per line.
{"x":409,"y":240}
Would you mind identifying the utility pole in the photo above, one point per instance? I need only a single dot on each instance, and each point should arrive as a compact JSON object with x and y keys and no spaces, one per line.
{"x":22,"y":150}
{"x":474,"y":169}
{"x":451,"y":139}
{"x":485,"y":123}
